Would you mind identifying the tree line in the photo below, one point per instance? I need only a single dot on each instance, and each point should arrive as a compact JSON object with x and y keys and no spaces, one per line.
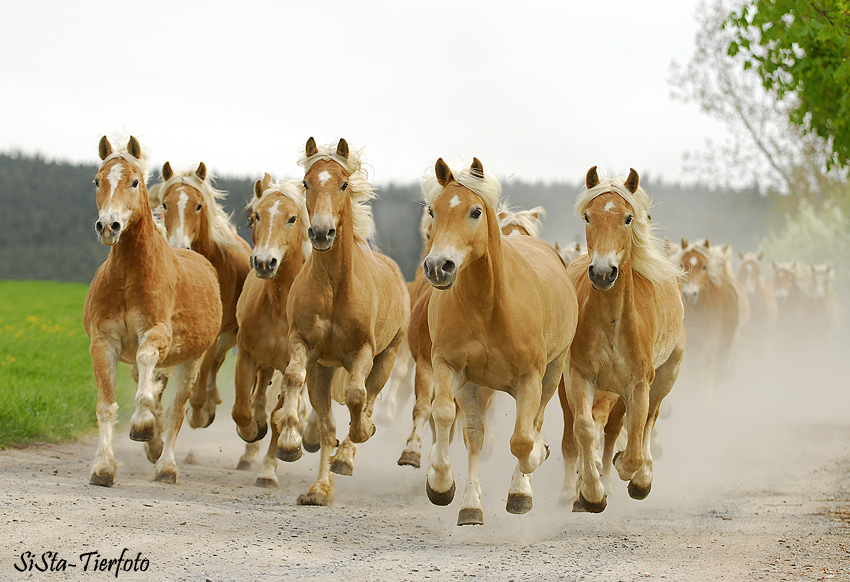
{"x":48,"y":210}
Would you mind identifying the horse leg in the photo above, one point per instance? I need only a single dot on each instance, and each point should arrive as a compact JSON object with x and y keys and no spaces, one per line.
{"x":440,"y":483}
{"x":611,"y":433}
{"x":286,"y":418}
{"x":392,"y":392}
{"x":423,"y":390}
{"x":471,"y":512}
{"x":636,"y":399}
{"x":153,"y":447}
{"x":186,"y":375}
{"x":665,"y":377}
{"x":267,"y":478}
{"x":319,"y":387}
{"x":105,"y":364}
{"x":590,"y":493}
{"x":488,"y":414}
{"x":143,"y":421}
{"x":199,"y":415}
{"x":245,"y":383}
{"x":568,"y":445}
{"x":205,"y":408}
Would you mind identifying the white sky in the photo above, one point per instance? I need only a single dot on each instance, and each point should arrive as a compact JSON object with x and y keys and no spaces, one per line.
{"x":538,"y":90}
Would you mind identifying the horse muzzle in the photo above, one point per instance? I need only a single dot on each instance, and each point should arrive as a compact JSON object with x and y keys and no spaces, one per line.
{"x":440,"y":271}
{"x":108,"y":230}
{"x":265,"y":268}
{"x":602,"y":277}
{"x":690,"y":296}
{"x":322,"y":237}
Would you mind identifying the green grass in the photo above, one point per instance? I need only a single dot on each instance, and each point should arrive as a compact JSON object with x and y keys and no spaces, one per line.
{"x":47,"y":389}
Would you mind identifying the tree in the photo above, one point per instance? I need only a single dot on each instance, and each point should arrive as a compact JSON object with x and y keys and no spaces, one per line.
{"x":801,"y":48}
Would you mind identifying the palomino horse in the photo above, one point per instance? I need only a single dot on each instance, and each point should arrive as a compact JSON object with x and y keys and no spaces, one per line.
{"x":571,"y":252}
{"x":630,"y":338}
{"x":792,"y":282}
{"x":278,"y":215}
{"x":715,"y":311}
{"x":195,"y":220}
{"x":502,"y":316}
{"x":762,"y":300}
{"x":828,"y":313}
{"x":525,"y":222}
{"x":347,"y":308}
{"x":149,"y":305}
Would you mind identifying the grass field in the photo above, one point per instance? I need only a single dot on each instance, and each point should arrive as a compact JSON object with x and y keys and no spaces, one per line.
{"x":47,"y":389}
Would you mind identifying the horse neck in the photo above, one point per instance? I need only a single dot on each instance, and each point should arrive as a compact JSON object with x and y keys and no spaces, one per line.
{"x":141,"y":246}
{"x":483,"y":281}
{"x":289,"y":268}
{"x":204,"y":243}
{"x":335,"y":265}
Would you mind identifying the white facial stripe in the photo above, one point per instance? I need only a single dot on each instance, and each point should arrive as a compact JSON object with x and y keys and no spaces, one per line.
{"x":694,"y":261}
{"x":609,"y":206}
{"x":180,"y":235}
{"x":454,"y":201}
{"x":324,"y":176}
{"x":113,"y":178}
{"x":274,"y":211}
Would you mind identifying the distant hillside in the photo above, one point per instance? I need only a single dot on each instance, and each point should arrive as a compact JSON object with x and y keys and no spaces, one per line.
{"x":47,"y":214}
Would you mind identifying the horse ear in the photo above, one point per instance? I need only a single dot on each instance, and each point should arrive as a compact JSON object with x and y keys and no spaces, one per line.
{"x":706,"y":244}
{"x":267,"y":180}
{"x":632,"y":182}
{"x":578,"y":247}
{"x":167,"y":172}
{"x":761,"y":255}
{"x":258,"y":188}
{"x":201,"y":172}
{"x":740,"y":255}
{"x":134,"y":148}
{"x":312,"y":150}
{"x":444,"y":173}
{"x":557,"y":246}
{"x":592,"y":178}
{"x":342,"y":149}
{"x":726,"y":247}
{"x":684,"y":243}
{"x":104,"y":148}
{"x":477,"y":168}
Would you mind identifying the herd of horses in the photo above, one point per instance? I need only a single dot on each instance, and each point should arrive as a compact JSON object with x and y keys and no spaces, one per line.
{"x":318,"y":315}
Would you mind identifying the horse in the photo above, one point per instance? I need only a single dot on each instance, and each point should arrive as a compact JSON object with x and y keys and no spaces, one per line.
{"x":828,"y":314}
{"x":792,"y":283}
{"x":194,"y":219}
{"x":570,"y":252}
{"x":629,"y":342}
{"x":348,"y":308}
{"x":760,"y":294}
{"x":715,"y":310}
{"x":278,"y":217}
{"x":502,"y":316}
{"x":520,"y":222}
{"x":149,"y":305}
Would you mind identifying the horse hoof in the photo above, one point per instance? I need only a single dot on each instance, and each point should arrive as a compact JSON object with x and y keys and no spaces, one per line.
{"x":101,"y":480}
{"x":636,"y":492}
{"x":311,"y":447}
{"x":583,"y":505}
{"x":259,"y":434}
{"x":166,"y":477}
{"x":440,"y":498}
{"x":153,"y":450}
{"x":470,"y":516}
{"x":243,"y":466}
{"x":616,"y":456}
{"x":342,"y":468}
{"x":141,"y":434}
{"x":518,"y":503}
{"x":410,"y":458}
{"x":313,"y":498}
{"x":210,"y":421}
{"x":266,"y":483}
{"x":289,"y":456}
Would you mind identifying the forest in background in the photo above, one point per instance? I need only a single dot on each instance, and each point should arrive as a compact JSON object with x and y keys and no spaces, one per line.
{"x":48,"y":210}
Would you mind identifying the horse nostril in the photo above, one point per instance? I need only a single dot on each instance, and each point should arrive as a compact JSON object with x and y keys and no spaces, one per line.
{"x":115,"y":226}
{"x":449,"y":267}
{"x":98,"y":226}
{"x":331,"y":233}
{"x":272,"y":263}
{"x":613,"y":273}
{"x":310,"y":233}
{"x":590,"y":271}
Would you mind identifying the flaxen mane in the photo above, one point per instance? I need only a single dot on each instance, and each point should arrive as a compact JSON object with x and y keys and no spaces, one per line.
{"x":487,"y":187}
{"x":526,"y":219}
{"x":647,"y":258}
{"x":359,"y":188}
{"x":218,"y":221}
{"x":143,"y":164}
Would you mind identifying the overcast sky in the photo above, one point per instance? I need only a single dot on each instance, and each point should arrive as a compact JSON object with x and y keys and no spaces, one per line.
{"x":537,"y":90}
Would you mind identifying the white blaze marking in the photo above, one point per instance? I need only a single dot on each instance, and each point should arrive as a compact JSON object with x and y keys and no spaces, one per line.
{"x":324,"y":176}
{"x":454,"y":201}
{"x":273,"y":213}
{"x":694,"y":261}
{"x":113,"y":178}
{"x":610,"y":206}
{"x":181,"y":212}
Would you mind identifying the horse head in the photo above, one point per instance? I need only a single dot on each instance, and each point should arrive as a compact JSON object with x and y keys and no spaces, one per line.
{"x":121,"y":192}
{"x":183,"y":208}
{"x":278,"y":217}
{"x":696,"y":277}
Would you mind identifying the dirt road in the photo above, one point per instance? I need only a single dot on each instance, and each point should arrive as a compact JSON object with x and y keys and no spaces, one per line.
{"x":755,"y":486}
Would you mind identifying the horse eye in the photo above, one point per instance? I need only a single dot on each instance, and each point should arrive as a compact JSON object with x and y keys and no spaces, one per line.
{"x":164,"y":207}
{"x":586,"y":218}
{"x":476,"y":214}
{"x":344,"y":186}
{"x":198,"y":209}
{"x":430,"y":212}
{"x":96,"y":182}
{"x":292,"y":219}
{"x":704,"y":267}
{"x":135,"y":183}
{"x":305,"y":184}
{"x":628,"y":219}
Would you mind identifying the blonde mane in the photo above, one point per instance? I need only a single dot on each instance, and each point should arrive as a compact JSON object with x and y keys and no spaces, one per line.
{"x":119,"y":150}
{"x":293,"y":190}
{"x":218,"y":221}
{"x":487,"y":187}
{"x":526,"y":219}
{"x":714,"y":258}
{"x":359,"y":189}
{"x":647,"y":258}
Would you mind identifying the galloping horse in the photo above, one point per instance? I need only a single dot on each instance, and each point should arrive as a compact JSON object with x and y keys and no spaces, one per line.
{"x":828,"y":313}
{"x":630,"y":337}
{"x":149,"y":305}
{"x":348,"y":308}
{"x":278,"y":215}
{"x":502,"y":316}
{"x":763,"y":309}
{"x":792,"y":282}
{"x":715,"y":310}
{"x":195,"y":220}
